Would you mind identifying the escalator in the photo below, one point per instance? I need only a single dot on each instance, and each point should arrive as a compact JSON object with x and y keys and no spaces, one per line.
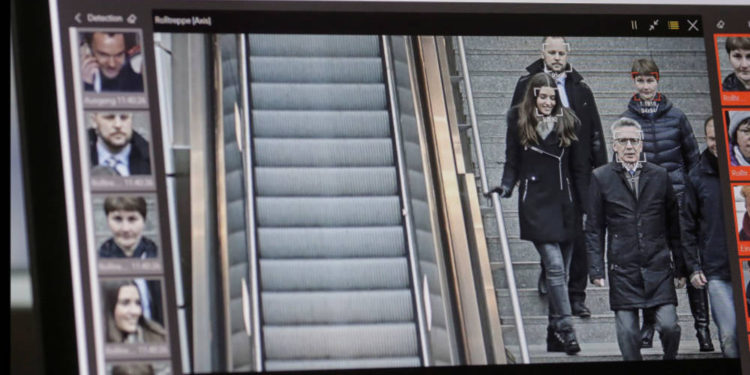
{"x":317,"y":203}
{"x":335,"y":283}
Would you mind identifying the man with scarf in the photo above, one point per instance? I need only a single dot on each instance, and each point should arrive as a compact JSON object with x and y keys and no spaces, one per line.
{"x":578,"y":97}
{"x":632,"y":203}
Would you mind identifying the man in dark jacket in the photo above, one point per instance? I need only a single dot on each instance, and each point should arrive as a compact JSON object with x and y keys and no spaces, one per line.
{"x":669,"y":143}
{"x":633,"y":202}
{"x":106,"y":65}
{"x":578,"y":97}
{"x":116,"y":147}
{"x":703,"y":238}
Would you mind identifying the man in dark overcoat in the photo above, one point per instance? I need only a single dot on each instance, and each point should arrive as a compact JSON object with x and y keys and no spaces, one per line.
{"x":633,"y":202}
{"x":578,"y":97}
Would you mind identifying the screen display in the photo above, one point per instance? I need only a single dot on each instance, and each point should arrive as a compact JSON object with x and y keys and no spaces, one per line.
{"x":263,"y":188}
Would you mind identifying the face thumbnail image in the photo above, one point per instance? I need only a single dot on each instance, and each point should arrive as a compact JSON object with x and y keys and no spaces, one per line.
{"x":742,"y":210}
{"x":126,"y":226}
{"x":111,"y":61}
{"x":119,"y":143}
{"x":133,"y":311}
{"x":734,"y":58}
{"x":738,"y":131}
{"x":746,"y":280}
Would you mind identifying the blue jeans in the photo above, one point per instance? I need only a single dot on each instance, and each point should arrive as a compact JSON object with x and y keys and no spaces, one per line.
{"x":629,"y":335}
{"x":722,"y":308}
{"x":556,"y":259}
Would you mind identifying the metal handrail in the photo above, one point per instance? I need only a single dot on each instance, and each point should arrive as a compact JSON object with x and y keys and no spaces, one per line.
{"x":513,"y":291}
{"x":247,"y":156}
{"x":408,"y":223}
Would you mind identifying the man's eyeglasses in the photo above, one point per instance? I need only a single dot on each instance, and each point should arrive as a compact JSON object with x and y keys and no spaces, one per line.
{"x":624,"y":141}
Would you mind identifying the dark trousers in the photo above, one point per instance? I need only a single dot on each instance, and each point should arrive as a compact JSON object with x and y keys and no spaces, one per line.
{"x":629,"y":337}
{"x":698,"y":301}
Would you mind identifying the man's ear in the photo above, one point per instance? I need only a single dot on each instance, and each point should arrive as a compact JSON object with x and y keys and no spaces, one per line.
{"x":92,"y":121}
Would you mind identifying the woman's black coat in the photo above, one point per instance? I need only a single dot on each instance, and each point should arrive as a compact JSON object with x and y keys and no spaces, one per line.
{"x":640,"y":234}
{"x":552,"y":179}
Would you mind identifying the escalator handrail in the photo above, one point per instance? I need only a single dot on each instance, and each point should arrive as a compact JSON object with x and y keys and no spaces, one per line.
{"x":247,"y":155}
{"x":513,"y":290}
{"x":408,"y":222}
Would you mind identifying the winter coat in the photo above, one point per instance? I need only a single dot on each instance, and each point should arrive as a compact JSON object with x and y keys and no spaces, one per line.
{"x":640,"y":234}
{"x":732,"y":83}
{"x":582,"y":102}
{"x":703,"y":231}
{"x":668,"y":139}
{"x":145,"y":249}
{"x":552,"y":180}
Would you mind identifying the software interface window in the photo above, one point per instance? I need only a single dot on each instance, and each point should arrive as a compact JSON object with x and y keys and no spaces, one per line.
{"x":258,"y":190}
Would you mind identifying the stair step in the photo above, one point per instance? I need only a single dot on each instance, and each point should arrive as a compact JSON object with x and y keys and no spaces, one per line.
{"x":333,"y":274}
{"x":371,"y":306}
{"x":287,"y":152}
{"x":295,"y":45}
{"x":318,"y":96}
{"x":320,"y":124}
{"x":340,"y":341}
{"x":328,"y":211}
{"x":598,"y":328}
{"x":316,"y":69}
{"x":368,"y":181}
{"x":332,"y":364}
{"x":609,"y":352}
{"x":344,"y":242}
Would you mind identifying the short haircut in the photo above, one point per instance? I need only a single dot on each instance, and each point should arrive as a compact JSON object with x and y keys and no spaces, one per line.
{"x":644,"y":67}
{"x":705,"y":123}
{"x":736,"y":42}
{"x":745,"y":191}
{"x":624,"y":122}
{"x":544,"y":40}
{"x":125,"y":203}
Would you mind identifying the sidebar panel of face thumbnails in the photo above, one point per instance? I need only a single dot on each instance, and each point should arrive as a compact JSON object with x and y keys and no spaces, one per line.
{"x":125,"y":245}
{"x":732,"y":53}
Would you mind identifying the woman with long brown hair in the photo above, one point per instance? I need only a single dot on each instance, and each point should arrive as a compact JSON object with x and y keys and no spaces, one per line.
{"x":544,"y":156}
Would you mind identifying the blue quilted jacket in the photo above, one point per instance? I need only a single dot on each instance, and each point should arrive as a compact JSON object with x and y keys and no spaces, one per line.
{"x":668,"y":139}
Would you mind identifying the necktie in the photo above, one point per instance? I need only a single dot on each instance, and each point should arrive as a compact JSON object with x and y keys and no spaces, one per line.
{"x":115,"y":164}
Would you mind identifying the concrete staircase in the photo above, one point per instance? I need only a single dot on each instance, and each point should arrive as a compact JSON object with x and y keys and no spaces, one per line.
{"x":495,"y":64}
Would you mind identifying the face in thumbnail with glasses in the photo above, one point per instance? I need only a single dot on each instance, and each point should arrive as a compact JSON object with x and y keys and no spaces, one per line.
{"x":126,"y":217}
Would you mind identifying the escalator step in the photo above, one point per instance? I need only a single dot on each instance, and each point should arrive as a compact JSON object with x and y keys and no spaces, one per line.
{"x":321,"y":124}
{"x":347,"y":242}
{"x":285,"y":152}
{"x":318,"y":96}
{"x":359,"y":363}
{"x":376,"y":306}
{"x":328,"y":211}
{"x":326,"y":181}
{"x":333,"y":274}
{"x":316,"y":69}
{"x":340,"y":341}
{"x":314,"y":45}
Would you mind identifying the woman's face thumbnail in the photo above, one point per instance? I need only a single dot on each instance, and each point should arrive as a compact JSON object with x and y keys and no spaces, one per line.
{"x":128,"y":309}
{"x":743,"y":138}
{"x":126,"y":227}
{"x":545,"y":100}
